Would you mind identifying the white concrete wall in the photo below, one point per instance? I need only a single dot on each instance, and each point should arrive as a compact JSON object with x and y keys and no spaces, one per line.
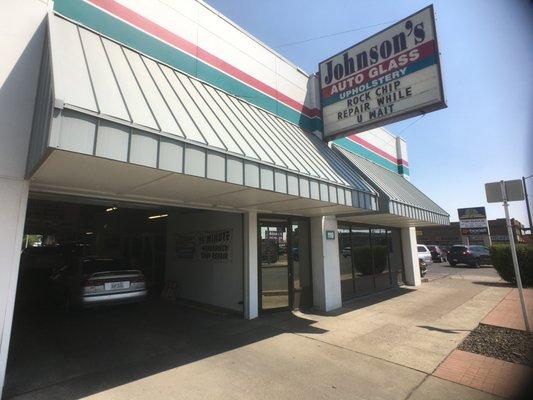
{"x":401,"y":152}
{"x":216,"y":283}
{"x":382,"y":145}
{"x":410,"y":256}
{"x":21,"y":38}
{"x":382,"y":139}
{"x":201,"y":25}
{"x":326,"y":264}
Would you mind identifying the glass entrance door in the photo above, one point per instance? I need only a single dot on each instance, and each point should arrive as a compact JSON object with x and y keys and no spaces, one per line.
{"x":274,"y":265}
{"x":302,"y":290}
{"x":285,"y":264}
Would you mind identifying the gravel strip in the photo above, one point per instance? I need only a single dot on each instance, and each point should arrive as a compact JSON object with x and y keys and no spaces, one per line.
{"x":502,"y":343}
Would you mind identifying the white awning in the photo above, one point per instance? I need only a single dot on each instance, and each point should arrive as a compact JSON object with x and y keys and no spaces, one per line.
{"x":116,"y":105}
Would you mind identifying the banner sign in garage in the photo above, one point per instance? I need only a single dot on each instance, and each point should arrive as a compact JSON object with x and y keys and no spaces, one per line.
{"x":388,"y":77}
{"x":213,"y":246}
{"x":473,"y":221}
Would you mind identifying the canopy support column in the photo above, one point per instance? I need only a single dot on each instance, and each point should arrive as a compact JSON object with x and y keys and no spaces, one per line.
{"x":410,"y":257}
{"x":251,"y":304}
{"x":325,"y":263}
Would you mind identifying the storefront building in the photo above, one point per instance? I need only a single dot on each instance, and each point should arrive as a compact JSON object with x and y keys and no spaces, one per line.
{"x":169,"y":108}
{"x":451,"y":234}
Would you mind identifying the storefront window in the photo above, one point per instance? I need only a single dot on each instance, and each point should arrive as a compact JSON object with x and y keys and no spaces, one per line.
{"x":370,"y":259}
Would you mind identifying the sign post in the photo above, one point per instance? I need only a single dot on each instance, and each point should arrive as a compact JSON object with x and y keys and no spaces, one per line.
{"x":510,"y":191}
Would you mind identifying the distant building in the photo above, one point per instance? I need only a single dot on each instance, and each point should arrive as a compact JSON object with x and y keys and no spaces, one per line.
{"x":451,"y":234}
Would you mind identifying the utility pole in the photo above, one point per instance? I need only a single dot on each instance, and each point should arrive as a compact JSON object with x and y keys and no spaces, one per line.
{"x":527,"y":202}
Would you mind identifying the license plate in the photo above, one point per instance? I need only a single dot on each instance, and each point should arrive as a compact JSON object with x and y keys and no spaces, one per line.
{"x":117,"y":285}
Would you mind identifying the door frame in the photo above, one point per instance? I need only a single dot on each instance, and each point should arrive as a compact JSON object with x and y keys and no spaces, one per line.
{"x":287,"y":221}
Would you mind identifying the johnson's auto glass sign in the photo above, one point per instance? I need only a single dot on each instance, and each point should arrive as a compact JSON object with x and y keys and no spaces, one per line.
{"x":388,"y":77}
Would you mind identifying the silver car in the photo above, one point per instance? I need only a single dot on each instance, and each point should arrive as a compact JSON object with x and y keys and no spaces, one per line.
{"x":92,"y":281}
{"x":424,"y":254}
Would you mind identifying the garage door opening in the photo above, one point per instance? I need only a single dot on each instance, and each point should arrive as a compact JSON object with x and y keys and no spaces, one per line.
{"x":103,"y":283}
{"x":69,"y":244}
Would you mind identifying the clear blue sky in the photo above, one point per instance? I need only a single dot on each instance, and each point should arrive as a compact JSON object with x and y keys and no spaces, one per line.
{"x":484,"y":135}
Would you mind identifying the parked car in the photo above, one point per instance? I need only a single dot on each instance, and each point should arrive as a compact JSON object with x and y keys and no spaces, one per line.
{"x":424,"y":254}
{"x":474,"y":256}
{"x":93,"y":281}
{"x":438,"y":254}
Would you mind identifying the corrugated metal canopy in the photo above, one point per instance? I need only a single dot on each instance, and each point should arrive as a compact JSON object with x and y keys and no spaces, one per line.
{"x":113,"y":102}
{"x":401,"y":197}
{"x":102,"y":78}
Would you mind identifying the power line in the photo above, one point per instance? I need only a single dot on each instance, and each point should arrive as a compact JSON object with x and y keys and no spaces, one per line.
{"x":411,"y":124}
{"x":332,"y":34}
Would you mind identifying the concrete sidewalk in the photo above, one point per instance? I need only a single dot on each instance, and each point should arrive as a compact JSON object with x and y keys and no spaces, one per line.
{"x":489,"y":374}
{"x":382,"y":347}
{"x":508,"y":313}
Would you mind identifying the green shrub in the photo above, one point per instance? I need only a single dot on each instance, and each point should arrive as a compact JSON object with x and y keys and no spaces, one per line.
{"x":363,"y":259}
{"x":503,"y":262}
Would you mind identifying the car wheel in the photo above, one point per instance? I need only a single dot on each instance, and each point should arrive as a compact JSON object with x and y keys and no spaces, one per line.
{"x":452,"y":264}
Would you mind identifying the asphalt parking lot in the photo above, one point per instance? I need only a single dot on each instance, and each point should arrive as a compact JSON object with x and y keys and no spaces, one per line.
{"x":441,"y":270}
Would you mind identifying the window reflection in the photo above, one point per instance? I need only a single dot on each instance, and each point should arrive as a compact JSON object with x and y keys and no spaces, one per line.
{"x":370,"y":259}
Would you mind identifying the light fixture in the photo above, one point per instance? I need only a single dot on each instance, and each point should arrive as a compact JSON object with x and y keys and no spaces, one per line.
{"x":158,"y":216}
{"x":89,"y":233}
{"x":111,"y":209}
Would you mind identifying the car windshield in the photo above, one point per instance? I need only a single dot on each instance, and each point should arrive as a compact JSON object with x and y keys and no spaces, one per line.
{"x":422,"y":249}
{"x":457,"y":249}
{"x":431,"y":248}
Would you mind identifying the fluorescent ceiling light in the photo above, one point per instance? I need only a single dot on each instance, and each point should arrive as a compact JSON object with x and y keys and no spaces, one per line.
{"x":111,"y":209}
{"x":158,"y":216}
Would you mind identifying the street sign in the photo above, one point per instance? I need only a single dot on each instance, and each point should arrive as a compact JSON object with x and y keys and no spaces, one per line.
{"x":514,"y":191}
{"x":473,"y":221}
{"x":510,"y":191}
{"x":393,"y":75}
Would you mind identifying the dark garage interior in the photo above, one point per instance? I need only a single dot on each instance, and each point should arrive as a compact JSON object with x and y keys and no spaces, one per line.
{"x":55,"y":341}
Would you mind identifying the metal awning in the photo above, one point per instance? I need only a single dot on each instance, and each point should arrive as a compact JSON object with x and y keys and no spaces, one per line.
{"x":113,"y":103}
{"x":401,"y":203}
